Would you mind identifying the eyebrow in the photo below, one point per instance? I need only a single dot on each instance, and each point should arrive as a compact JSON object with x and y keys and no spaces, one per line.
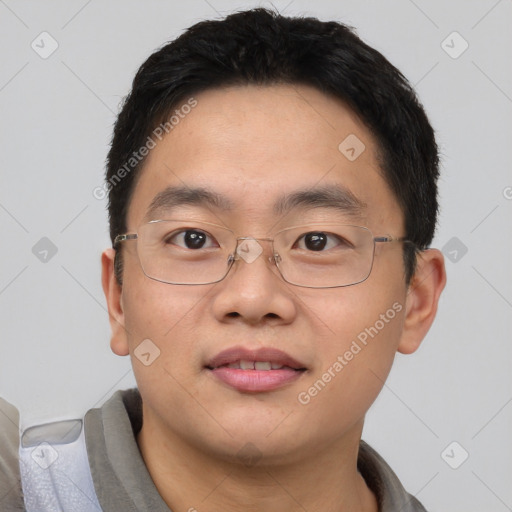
{"x":172,"y":197}
{"x":332,"y":196}
{"x":336,"y":197}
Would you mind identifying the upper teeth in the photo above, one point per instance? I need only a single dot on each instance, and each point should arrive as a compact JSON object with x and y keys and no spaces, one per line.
{"x":255,"y":365}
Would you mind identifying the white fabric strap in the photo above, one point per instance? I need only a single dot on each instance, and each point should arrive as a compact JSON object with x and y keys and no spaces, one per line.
{"x":55,"y":472}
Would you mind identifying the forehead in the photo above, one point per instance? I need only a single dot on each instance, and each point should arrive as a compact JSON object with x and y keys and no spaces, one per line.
{"x":254,"y":146}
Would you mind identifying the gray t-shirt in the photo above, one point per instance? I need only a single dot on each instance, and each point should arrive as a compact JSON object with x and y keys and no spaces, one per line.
{"x":121,"y":479}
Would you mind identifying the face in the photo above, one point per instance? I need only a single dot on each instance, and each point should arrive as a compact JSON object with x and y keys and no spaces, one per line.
{"x":252,"y":148}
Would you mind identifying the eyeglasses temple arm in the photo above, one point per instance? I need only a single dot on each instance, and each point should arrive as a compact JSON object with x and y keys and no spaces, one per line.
{"x":122,"y":238}
{"x":389,"y":238}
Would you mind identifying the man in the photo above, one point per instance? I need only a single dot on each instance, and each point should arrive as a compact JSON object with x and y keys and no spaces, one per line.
{"x":272,"y":196}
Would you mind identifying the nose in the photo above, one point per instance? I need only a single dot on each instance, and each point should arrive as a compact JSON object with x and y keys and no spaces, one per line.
{"x":253,"y":291}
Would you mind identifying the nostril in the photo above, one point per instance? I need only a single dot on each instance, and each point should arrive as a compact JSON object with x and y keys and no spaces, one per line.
{"x":233,"y":314}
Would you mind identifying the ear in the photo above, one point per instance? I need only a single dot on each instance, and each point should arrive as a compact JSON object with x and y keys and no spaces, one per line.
{"x":113,"y":294}
{"x":422,"y":298}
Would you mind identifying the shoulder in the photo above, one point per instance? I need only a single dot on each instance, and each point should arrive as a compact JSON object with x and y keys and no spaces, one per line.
{"x":83,"y":454}
{"x":384,"y":483}
{"x":10,"y":483}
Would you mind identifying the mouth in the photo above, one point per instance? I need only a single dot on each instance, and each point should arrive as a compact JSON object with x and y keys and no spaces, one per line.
{"x":255,"y":371}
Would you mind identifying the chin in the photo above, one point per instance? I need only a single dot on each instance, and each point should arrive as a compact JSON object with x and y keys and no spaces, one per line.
{"x":262,"y":438}
{"x":248,"y":450}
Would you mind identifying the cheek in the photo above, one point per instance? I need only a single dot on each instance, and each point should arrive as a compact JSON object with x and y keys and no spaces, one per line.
{"x":361,"y":312}
{"x":350,"y":379}
{"x":355,"y":359}
{"x":153,"y":309}
{"x":161,"y":320}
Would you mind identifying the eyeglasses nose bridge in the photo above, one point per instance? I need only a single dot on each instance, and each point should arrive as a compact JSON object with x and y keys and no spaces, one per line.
{"x":264,"y":239}
{"x":274,"y":258}
{"x":235,"y":256}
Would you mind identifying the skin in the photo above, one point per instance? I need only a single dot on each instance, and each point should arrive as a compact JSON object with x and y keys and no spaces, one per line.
{"x":253,"y":144}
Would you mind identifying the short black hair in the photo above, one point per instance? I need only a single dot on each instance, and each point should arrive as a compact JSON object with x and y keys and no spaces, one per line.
{"x":262,"y":47}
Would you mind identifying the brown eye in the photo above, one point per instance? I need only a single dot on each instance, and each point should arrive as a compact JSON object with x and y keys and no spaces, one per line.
{"x":315,"y":241}
{"x":192,"y":239}
{"x":320,"y":240}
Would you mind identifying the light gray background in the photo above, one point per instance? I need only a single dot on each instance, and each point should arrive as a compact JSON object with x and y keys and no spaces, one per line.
{"x":56,"y":117}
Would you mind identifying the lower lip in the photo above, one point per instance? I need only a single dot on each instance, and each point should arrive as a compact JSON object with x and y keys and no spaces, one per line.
{"x":255,"y":381}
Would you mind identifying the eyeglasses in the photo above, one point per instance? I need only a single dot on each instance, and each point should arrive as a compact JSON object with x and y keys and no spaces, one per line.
{"x":320,"y":255}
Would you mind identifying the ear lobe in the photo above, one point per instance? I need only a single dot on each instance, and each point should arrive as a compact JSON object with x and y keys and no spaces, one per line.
{"x":113,"y":294}
{"x":422,"y":299}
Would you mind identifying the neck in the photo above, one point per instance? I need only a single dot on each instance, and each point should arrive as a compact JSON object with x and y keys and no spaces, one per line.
{"x":191,"y":480}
